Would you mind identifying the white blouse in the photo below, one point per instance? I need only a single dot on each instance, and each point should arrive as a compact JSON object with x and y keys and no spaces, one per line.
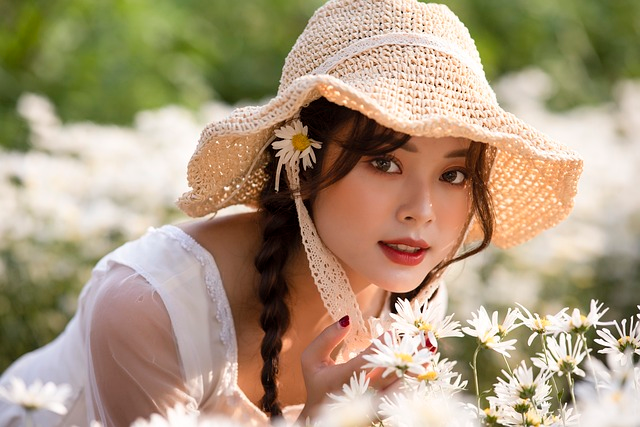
{"x":153,"y":320}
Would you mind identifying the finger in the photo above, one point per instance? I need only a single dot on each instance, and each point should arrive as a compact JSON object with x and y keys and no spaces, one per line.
{"x":378,"y":382}
{"x":320,"y":349}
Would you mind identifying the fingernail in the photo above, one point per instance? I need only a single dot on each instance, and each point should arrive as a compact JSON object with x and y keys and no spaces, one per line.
{"x":344,"y":322}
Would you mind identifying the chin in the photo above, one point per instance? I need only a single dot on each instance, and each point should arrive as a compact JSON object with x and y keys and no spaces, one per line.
{"x":398,"y":287}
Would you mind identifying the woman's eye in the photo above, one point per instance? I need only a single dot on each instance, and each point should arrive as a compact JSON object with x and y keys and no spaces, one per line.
{"x":454,"y":177}
{"x":386,"y":165}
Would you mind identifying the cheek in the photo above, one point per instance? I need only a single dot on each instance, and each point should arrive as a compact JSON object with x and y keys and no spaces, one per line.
{"x":348,"y":212}
{"x":340,"y":205}
{"x":454,"y":213}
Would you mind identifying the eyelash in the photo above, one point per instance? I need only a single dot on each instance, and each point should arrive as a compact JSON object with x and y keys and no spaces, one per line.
{"x":389,"y":158}
{"x":464,"y":173}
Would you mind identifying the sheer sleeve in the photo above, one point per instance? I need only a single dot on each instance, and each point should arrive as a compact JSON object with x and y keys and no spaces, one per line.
{"x":134,"y":366}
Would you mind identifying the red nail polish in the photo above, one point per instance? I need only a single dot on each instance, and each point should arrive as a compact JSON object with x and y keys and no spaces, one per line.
{"x":344,"y":322}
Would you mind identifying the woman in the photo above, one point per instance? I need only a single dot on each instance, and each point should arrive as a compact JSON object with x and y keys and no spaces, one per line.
{"x":383,"y":158}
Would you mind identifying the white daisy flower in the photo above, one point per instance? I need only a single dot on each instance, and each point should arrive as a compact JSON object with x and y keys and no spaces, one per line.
{"x":48,"y":396}
{"x":440,"y":377}
{"x":615,"y":380}
{"x":623,"y":347}
{"x":412,"y":408}
{"x":353,"y":407}
{"x":541,"y":325}
{"x":177,"y":416}
{"x":538,"y":417}
{"x":358,"y":386}
{"x":522,"y":385}
{"x":294,"y":144}
{"x":398,"y":356}
{"x":421,"y":319}
{"x":489,"y":333}
{"x":611,"y":410}
{"x":579,"y":323}
{"x":509,"y":323}
{"x":487,"y":416}
{"x":561,"y":356}
{"x":359,"y":412}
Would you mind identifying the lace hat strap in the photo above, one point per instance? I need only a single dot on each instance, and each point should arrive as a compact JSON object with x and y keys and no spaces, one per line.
{"x":328,"y":275}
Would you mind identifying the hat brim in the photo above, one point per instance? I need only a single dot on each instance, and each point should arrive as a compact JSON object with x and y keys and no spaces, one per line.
{"x":533,"y":179}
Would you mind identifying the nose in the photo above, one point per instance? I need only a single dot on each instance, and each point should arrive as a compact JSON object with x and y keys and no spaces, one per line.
{"x":416,"y":204}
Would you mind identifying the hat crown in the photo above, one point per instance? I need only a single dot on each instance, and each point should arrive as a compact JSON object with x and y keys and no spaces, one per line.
{"x":339,"y":25}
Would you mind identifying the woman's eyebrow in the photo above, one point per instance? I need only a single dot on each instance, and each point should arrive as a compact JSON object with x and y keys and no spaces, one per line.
{"x":457,"y":153}
{"x":410,"y":147}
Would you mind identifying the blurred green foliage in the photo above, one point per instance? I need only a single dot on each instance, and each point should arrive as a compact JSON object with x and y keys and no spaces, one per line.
{"x":104,"y":61}
{"x":34,"y":310}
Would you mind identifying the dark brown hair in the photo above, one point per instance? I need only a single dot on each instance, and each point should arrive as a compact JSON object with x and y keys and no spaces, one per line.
{"x":281,"y":237}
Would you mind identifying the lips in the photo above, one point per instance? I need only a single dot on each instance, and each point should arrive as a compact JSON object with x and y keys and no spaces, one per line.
{"x":403,"y":248}
{"x":407,"y":252}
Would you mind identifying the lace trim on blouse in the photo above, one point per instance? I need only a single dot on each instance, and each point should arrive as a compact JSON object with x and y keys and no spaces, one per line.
{"x":216,"y":292}
{"x":215,"y":289}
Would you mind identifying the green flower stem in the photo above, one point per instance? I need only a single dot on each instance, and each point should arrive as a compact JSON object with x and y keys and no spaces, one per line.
{"x":28,"y":419}
{"x":474,"y":366}
{"x":506,"y":362}
{"x":572,"y":391}
{"x":553,"y":381}
{"x":593,"y":369}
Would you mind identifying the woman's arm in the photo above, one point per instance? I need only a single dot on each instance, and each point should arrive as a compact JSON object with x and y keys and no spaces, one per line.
{"x":134,"y":367}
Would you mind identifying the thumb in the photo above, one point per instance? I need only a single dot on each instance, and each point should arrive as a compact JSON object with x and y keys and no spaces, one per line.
{"x":319,"y":350}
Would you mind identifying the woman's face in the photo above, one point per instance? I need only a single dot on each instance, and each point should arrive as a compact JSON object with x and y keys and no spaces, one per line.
{"x":394,"y":217}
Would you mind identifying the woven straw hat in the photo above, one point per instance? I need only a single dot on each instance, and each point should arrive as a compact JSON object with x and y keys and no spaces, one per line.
{"x":414,"y":68}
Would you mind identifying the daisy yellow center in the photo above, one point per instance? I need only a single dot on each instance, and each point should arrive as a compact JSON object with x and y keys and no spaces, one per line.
{"x":428,"y":376}
{"x":567,"y":364}
{"x":522,"y":407}
{"x":491,"y":419}
{"x":540,"y":325}
{"x":502,"y":332}
{"x":583,"y":320}
{"x":404,"y":357}
{"x":626,"y":342}
{"x":532,"y":420}
{"x":527,"y":391}
{"x":489,"y":339}
{"x":300,"y":142}
{"x":423,"y":326}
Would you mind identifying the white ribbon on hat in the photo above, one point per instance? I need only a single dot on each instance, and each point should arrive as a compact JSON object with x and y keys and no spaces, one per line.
{"x":404,"y":39}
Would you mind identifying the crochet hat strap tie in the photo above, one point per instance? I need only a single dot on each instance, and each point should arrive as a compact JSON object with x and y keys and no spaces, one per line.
{"x":328,"y":275}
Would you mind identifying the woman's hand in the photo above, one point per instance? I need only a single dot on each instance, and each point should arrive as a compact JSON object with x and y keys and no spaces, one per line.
{"x":321,"y":373}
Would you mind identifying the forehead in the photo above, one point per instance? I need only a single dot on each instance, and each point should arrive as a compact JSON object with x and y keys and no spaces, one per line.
{"x":453,"y":146}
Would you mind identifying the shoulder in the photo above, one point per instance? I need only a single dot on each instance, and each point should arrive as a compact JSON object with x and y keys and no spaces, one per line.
{"x":127,"y":308}
{"x":235,"y":232}
{"x":233,"y":240}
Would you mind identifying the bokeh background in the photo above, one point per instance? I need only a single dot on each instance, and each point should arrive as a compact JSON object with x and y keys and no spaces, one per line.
{"x":101,"y":104}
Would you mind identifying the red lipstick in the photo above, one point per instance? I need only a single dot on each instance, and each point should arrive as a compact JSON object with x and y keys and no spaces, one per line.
{"x":407,"y":252}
